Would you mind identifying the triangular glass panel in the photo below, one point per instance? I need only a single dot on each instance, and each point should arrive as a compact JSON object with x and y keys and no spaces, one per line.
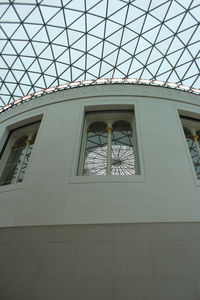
{"x":128,"y":35}
{"x":192,"y":69}
{"x":32,"y":29}
{"x":185,"y":57}
{"x":134,"y":14}
{"x":54,"y":32}
{"x":10,"y":77}
{"x":119,"y":73}
{"x":42,"y":36}
{"x":58,"y":20}
{"x":153,"y":67}
{"x":120,"y":15}
{"x":79,"y":24}
{"x":66,"y":76}
{"x":150,"y":22}
{"x":61,"y":68}
{"x":35,"y":67}
{"x":48,"y":13}
{"x":28,"y":50}
{"x":91,"y":61}
{"x":45,"y":64}
{"x":20,"y":33}
{"x":61,"y":39}
{"x":74,"y":36}
{"x":143,"y":56}
{"x":151,"y":34}
{"x":40,"y":83}
{"x":112,"y":28}
{"x":39,"y":47}
{"x":64,"y":58}
{"x":76,"y":4}
{"x":114,"y":8}
{"x":18,"y":75}
{"x":96,"y":51}
{"x":146,"y":73}
{"x":176,"y":45}
{"x":47,"y":53}
{"x":94,"y":70}
{"x":50,"y":81}
{"x":155,"y":55}
{"x":165,"y":66}
{"x":195,"y":13}
{"x":115,"y":37}
{"x":75,"y":55}
{"x":77,"y":74}
{"x":92,"y":41}
{"x":98,"y":31}
{"x":97,"y":7}
{"x":81,"y":63}
{"x":196,"y":36}
{"x":10,"y":29}
{"x":80,"y":44}
{"x":92,"y":21}
{"x":175,"y":9}
{"x":186,"y":35}
{"x":35,"y":17}
{"x":9,"y":15}
{"x":72,"y":15}
{"x":19,"y":45}
{"x":58,"y":50}
{"x":173,"y":77}
{"x":160,"y":5}
{"x":164,"y":34}
{"x":18,"y":64}
{"x":164,"y":45}
{"x":135,"y":66}
{"x":183,"y":69}
{"x":27,"y":9}
{"x":123,"y":56}
{"x":174,"y":23}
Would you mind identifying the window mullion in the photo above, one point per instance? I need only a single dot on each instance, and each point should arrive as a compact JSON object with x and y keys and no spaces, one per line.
{"x":195,"y":139}
{"x":109,"y":151}
{"x":22,"y":159}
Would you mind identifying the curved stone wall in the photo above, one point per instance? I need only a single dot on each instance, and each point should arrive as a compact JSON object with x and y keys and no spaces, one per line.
{"x":165,"y":190}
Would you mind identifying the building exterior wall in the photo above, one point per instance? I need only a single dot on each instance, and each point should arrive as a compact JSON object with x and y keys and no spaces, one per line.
{"x":166,"y":190}
{"x":75,"y":237}
{"x":149,"y":261}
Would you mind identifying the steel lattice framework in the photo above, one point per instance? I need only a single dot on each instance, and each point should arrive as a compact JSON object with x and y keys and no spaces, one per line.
{"x":51,"y":43}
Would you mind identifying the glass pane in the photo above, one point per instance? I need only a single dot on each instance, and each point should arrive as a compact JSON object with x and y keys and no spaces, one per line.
{"x":96,"y":150}
{"x":25,"y":163}
{"x":195,"y":155}
{"x":14,"y":161}
{"x":123,"y":160}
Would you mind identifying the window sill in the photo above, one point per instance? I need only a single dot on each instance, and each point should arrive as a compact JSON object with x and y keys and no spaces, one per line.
{"x":107,"y":179}
{"x":11,"y":187}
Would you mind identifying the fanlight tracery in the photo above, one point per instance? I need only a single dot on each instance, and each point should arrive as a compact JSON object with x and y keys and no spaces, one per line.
{"x":109,"y":149}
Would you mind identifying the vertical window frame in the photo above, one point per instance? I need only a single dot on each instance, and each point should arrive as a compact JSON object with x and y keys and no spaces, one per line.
{"x":13,"y":135}
{"x":115,"y":115}
{"x":188,"y":122}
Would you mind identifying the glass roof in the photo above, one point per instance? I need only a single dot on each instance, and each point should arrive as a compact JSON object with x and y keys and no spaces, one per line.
{"x":50,"y":43}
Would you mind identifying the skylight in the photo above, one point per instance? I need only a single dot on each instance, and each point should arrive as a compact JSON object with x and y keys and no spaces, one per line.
{"x":52,"y":43}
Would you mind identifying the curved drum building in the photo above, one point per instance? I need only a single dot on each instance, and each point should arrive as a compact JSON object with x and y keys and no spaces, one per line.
{"x":100,"y":195}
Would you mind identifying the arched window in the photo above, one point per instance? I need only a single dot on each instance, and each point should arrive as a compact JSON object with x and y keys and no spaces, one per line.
{"x":108,"y":144}
{"x":191,"y":129}
{"x":17,"y":153}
